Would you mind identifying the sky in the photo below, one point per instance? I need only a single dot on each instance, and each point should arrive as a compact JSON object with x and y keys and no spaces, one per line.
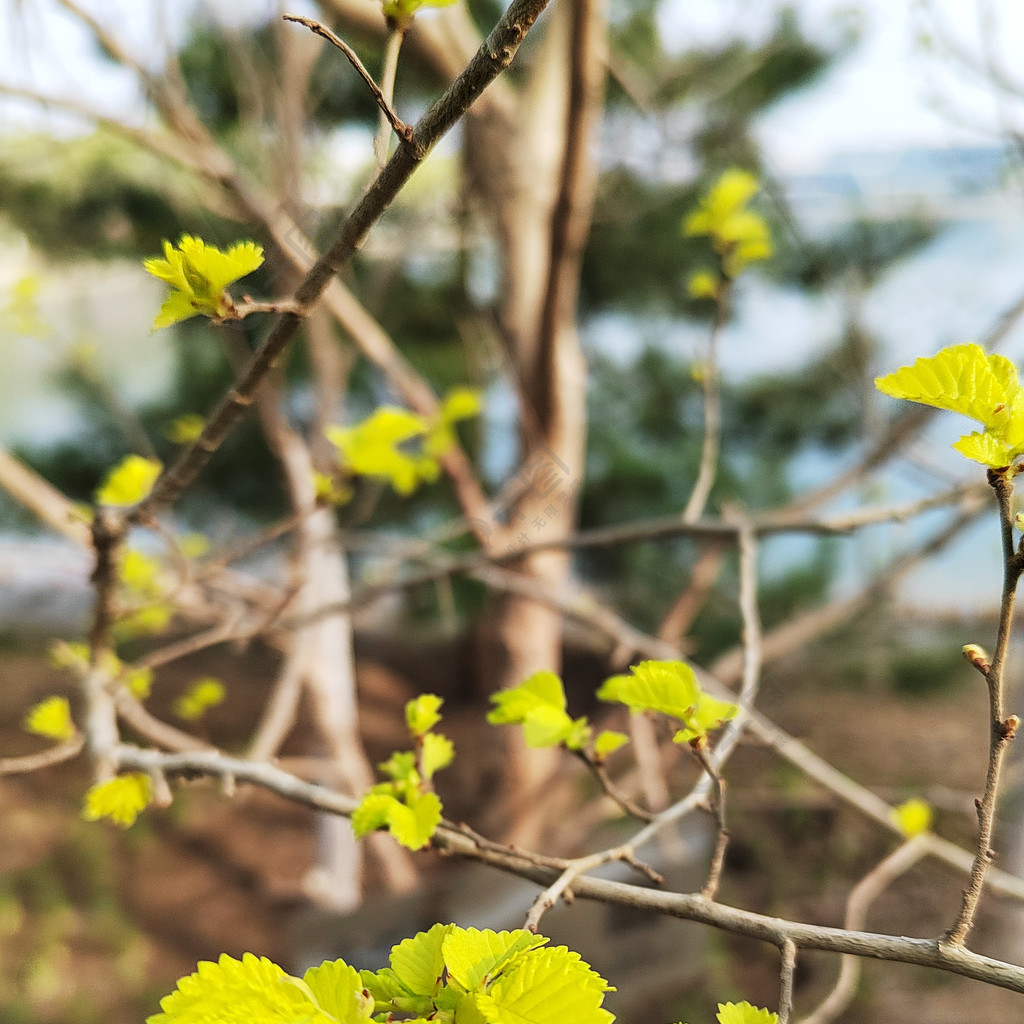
{"x":885,"y":94}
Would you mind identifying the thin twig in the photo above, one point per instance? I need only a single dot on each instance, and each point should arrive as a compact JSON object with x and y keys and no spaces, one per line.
{"x":863,"y":894}
{"x":491,"y":59}
{"x":600,"y":772}
{"x":402,"y":130}
{"x":44,"y":759}
{"x":561,"y":887}
{"x":787,"y":970}
{"x":711,"y":388}
{"x":710,"y":888}
{"x":389,"y":72}
{"x":1001,"y":728}
{"x":453,"y":840}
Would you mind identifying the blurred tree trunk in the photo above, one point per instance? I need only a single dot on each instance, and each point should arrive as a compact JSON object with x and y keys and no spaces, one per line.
{"x":533,"y":169}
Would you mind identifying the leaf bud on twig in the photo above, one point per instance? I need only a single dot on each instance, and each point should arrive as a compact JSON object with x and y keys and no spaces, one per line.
{"x":977,"y":656}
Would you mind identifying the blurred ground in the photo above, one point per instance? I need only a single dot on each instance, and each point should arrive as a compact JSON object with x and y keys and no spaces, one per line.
{"x":96,"y":924}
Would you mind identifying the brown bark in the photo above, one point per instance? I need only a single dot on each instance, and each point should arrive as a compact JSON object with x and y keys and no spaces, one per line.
{"x":536,"y":173}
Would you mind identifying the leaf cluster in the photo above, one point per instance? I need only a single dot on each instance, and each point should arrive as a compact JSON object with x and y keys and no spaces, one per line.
{"x":405,"y":804}
{"x":664,"y":687}
{"x":448,"y":974}
{"x":967,"y":380}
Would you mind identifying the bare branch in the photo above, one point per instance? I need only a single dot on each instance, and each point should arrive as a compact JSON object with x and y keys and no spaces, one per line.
{"x":401,"y":129}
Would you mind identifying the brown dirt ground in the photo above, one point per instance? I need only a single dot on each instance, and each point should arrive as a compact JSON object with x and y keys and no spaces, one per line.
{"x":96,"y":923}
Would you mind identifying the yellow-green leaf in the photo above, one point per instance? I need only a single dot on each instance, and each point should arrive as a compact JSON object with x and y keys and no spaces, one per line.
{"x":913,"y":817}
{"x":703,"y":285}
{"x":546,"y":986}
{"x":338,"y":991}
{"x":51,"y":718}
{"x":473,"y":957}
{"x":199,"y":275}
{"x":121,"y":799}
{"x":202,"y":695}
{"x":607,"y":742}
{"x":422,"y":713}
{"x":744,"y":1013}
{"x":538,"y":704}
{"x":418,"y":962}
{"x":708,"y":715}
{"x":960,"y":378}
{"x":402,"y":12}
{"x":374,"y":448}
{"x":186,"y":428}
{"x":438,"y":752}
{"x":129,"y":481}
{"x":666,"y":686}
{"x":253,"y":990}
{"x":138,"y":682}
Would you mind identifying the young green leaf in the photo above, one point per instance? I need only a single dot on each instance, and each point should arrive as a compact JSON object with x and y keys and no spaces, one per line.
{"x":253,"y":990}
{"x":739,"y":235}
{"x":744,"y":1013}
{"x":422,"y":713}
{"x":199,"y":275}
{"x":374,"y":448}
{"x":473,"y":958}
{"x":129,"y":481}
{"x":202,"y":695}
{"x":538,"y":704}
{"x":402,"y":12}
{"x":338,"y":990}
{"x":418,"y":963}
{"x":913,"y":817}
{"x":412,"y":823}
{"x":438,"y":752}
{"x":967,"y":380}
{"x":51,"y":718}
{"x":708,"y":715}
{"x":546,"y":986}
{"x":666,"y":686}
{"x":121,"y":799}
{"x":607,"y":742}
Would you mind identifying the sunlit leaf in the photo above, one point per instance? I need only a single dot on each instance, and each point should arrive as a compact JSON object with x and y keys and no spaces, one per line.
{"x":422,"y":713}
{"x":138,"y":682}
{"x":438,"y":753}
{"x":121,"y":799}
{"x":374,"y":448}
{"x":186,"y":428}
{"x":401,"y":12}
{"x":129,"y":481}
{"x":338,"y":990}
{"x":51,"y":718}
{"x":913,"y":817}
{"x":703,"y":285}
{"x":744,"y":1013}
{"x":708,"y":715}
{"x":418,"y":962}
{"x":474,"y":957}
{"x":967,"y":380}
{"x":607,"y":742}
{"x":199,"y":275}
{"x":546,"y":986}
{"x":253,"y":990}
{"x":202,"y":695}
{"x":666,"y":686}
